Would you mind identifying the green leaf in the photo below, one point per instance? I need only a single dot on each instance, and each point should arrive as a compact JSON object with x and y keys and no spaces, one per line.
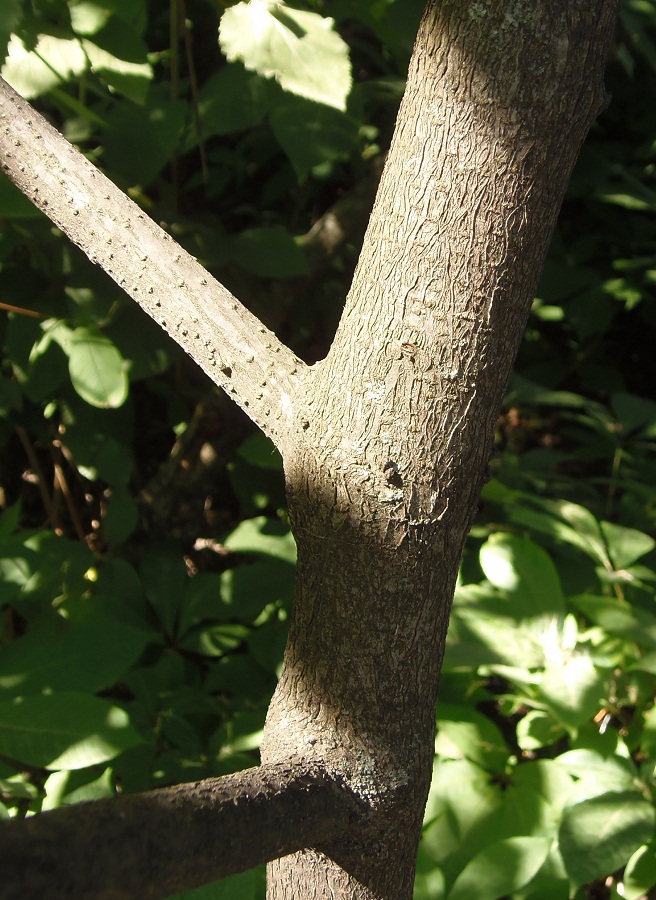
{"x":502,"y":868}
{"x":43,"y":566}
{"x":108,"y":459}
{"x":429,"y":880}
{"x":546,"y":778}
{"x":268,"y":252}
{"x":17,"y":787}
{"x":524,"y":812}
{"x":13,"y":202}
{"x":648,"y":742}
{"x":525,"y":391}
{"x":120,"y":592}
{"x":201,"y":601}
{"x":111,"y":39}
{"x":467,"y":810}
{"x":97,"y":369}
{"x":518,"y":565}
{"x":466,"y":733}
{"x":9,"y":519}
{"x":17,"y":563}
{"x":141,"y":341}
{"x":550,"y":314}
{"x":538,"y":729}
{"x":573,"y":690}
{"x":121,"y":517}
{"x":638,"y":199}
{"x":120,"y":58}
{"x":68,"y":730}
{"x":567,"y":522}
{"x":646,"y":663}
{"x":240,"y":675}
{"x":460,"y":802}
{"x":243,"y":732}
{"x":140,"y":139}
{"x":640,"y":873}
{"x":313,"y":135}
{"x":99,"y":439}
{"x":213,"y":639}
{"x":487,"y":638}
{"x":299,"y":49}
{"x":58,"y":654}
{"x":625,"y":545}
{"x":618,"y":618}
{"x":9,"y":16}
{"x":47,"y":365}
{"x":258,"y":485}
{"x":599,"y":835}
{"x":267,"y":643}
{"x":259,"y":450}
{"x":246,"y":590}
{"x":597,"y":774}
{"x":263,"y":537}
{"x":53,"y":61}
{"x":246,"y":886}
{"x":165,"y":581}
{"x":232,"y":100}
{"x":64,"y":788}
{"x":633,"y":412}
{"x":585,"y":525}
{"x":11,"y":396}
{"x":622,"y":290}
{"x":89,"y":16}
{"x":636,"y":17}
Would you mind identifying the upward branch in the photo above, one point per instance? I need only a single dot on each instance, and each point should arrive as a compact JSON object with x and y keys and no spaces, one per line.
{"x":227,"y":341}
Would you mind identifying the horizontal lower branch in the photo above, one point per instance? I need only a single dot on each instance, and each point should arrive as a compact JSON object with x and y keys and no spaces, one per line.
{"x":226,"y":340}
{"x":162,"y":842}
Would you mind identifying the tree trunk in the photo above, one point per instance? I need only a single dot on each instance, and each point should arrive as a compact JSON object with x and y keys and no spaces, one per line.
{"x":385,"y":479}
{"x":386,"y":442}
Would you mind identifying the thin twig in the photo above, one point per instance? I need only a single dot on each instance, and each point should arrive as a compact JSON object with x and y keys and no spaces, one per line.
{"x":193,"y":82}
{"x":62,"y":484}
{"x":22,"y":310}
{"x":35,"y":465}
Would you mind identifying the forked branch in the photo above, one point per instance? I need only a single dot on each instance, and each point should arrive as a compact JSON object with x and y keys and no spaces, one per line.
{"x":227,"y":341}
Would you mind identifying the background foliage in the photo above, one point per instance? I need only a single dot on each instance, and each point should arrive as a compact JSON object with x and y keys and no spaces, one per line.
{"x":146,"y":564}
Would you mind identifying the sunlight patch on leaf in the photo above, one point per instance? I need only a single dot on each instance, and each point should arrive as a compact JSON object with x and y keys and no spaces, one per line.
{"x":601,"y":834}
{"x":501,"y":868}
{"x":299,"y":49}
{"x":52,"y":62}
{"x":573,"y":690}
{"x":67,"y":730}
{"x":97,"y":369}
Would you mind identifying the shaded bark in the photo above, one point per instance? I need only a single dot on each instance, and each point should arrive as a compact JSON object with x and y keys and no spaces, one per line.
{"x":386,"y":441}
{"x":385,"y":482}
{"x":173,"y":839}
